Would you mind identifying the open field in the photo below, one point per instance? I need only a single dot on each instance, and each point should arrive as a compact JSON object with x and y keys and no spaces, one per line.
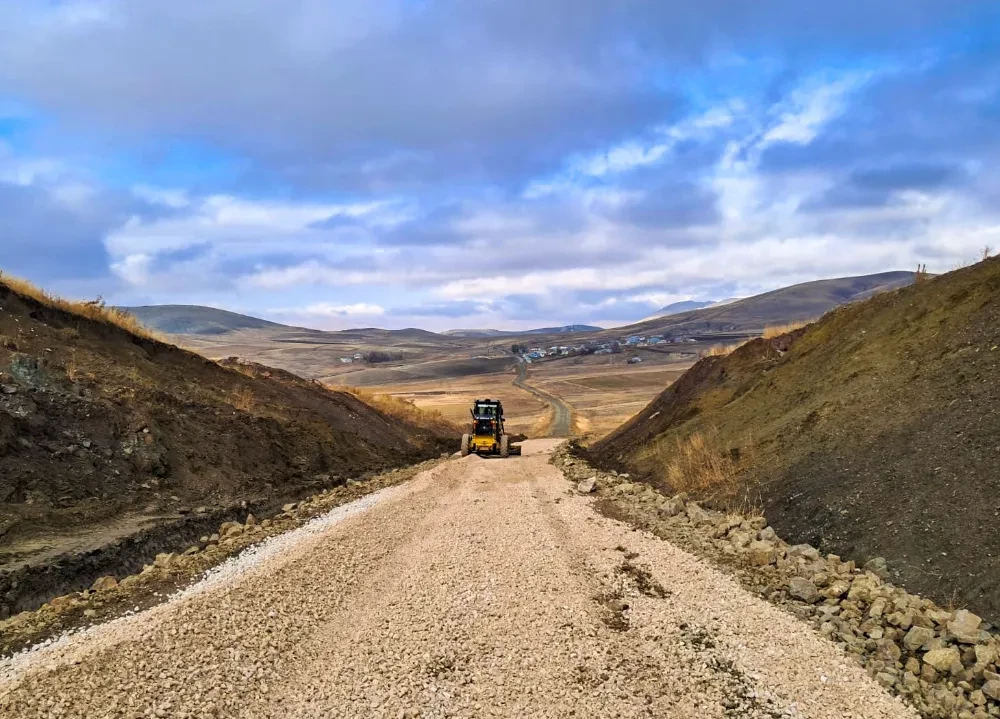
{"x":605,"y":394}
{"x":453,"y":398}
{"x":315,"y":354}
{"x":422,"y":371}
{"x":603,"y":391}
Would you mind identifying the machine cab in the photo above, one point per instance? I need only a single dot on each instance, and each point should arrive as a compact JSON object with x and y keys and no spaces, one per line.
{"x":487,"y":423}
{"x":488,"y":434}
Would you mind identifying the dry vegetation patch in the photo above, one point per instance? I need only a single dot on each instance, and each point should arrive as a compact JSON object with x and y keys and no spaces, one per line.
{"x":777,"y":330}
{"x":399,"y":407}
{"x":95,"y":310}
{"x":452,"y":398}
{"x":701,"y":464}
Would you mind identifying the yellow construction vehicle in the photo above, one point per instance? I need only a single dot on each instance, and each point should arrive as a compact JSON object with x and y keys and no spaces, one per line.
{"x":488,"y":435}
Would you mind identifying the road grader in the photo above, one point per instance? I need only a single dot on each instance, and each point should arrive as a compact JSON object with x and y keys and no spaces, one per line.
{"x":488,"y":436}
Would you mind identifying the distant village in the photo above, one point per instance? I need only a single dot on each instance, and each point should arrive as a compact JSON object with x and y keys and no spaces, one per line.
{"x":624,"y":344}
{"x":530,"y":354}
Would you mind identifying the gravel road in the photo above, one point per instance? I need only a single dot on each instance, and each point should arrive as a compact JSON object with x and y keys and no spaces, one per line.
{"x":562,"y":413}
{"x":481,"y":588}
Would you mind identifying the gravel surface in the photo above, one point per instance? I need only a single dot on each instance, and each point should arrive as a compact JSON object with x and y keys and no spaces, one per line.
{"x":482,"y":588}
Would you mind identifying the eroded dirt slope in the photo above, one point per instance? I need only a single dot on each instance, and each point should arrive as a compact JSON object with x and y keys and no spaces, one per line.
{"x":871,"y":433}
{"x":483,"y":588}
{"x":110,"y":443}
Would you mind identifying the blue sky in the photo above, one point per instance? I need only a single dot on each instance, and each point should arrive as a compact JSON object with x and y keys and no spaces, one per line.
{"x":503,"y":164}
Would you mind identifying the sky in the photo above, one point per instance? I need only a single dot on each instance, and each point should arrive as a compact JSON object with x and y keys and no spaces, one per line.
{"x":486,"y":163}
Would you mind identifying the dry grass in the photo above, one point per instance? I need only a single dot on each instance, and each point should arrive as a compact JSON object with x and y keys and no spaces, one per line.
{"x":769,"y":333}
{"x":397,"y":407}
{"x":700,"y":465}
{"x":691,"y":465}
{"x":723,"y":350}
{"x":453,"y":398}
{"x":94,"y":310}
{"x":243,"y":399}
{"x":778,"y":330}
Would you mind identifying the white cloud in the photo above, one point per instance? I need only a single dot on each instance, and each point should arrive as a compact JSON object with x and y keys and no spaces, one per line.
{"x":29,"y":171}
{"x":308,"y":273}
{"x":325,"y":309}
{"x":173,"y":198}
{"x":632,"y":154}
{"x":801,"y":117}
{"x":134,"y":269}
{"x":234,"y":227}
{"x":622,"y":158}
{"x":228,"y":211}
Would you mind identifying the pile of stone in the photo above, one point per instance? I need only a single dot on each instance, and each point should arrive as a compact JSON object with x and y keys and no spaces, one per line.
{"x":945,"y":663}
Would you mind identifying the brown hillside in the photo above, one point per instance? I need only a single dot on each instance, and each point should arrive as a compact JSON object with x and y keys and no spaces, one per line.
{"x":873,"y":432}
{"x":113,"y":444}
{"x":795,"y":303}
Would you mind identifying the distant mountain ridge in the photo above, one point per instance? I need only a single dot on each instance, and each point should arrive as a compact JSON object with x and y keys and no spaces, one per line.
{"x":796,"y":303}
{"x":677,"y":308}
{"x":487,"y":333}
{"x":805,"y":301}
{"x":683,"y":306}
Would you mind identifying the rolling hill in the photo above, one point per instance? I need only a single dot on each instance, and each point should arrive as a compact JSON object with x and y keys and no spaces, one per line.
{"x":797,"y":303}
{"x":488,"y":333}
{"x":676,"y":308}
{"x":872,"y":432}
{"x":198,"y":320}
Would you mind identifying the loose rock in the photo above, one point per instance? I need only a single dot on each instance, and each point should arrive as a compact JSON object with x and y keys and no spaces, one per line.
{"x":103,"y":584}
{"x":965,"y":627}
{"x":941,"y":659}
{"x":804,"y":590}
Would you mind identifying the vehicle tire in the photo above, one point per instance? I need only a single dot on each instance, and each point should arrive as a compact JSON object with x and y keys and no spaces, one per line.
{"x":465,"y":445}
{"x":504,"y":446}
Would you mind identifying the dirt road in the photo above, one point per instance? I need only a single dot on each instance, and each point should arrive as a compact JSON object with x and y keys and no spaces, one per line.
{"x":481,"y":588}
{"x":562,"y":413}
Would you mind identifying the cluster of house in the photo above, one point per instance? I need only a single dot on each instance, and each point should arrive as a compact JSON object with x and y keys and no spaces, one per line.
{"x":356,"y":358}
{"x":639,"y":341}
{"x":605,"y":348}
{"x":537,"y":352}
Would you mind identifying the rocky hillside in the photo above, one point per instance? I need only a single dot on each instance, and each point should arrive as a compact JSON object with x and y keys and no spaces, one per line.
{"x":872,"y":432}
{"x":112,"y":444}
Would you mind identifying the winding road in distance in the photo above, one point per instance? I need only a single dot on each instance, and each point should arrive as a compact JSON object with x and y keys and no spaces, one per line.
{"x":562,"y":417}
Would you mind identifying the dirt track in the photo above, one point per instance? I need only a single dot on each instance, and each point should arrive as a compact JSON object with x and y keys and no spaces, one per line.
{"x":481,"y":588}
{"x":562,"y":413}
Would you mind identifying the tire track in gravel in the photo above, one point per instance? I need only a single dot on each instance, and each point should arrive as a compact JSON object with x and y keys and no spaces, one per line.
{"x":481,"y":588}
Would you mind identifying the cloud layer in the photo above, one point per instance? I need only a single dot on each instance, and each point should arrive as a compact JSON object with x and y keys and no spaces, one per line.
{"x":479,"y":163}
